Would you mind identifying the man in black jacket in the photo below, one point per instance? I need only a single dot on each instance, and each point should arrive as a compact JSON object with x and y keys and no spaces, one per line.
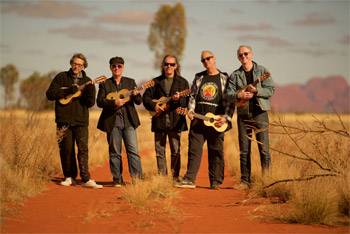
{"x":72,"y":119}
{"x":119,"y":119}
{"x":166,"y":121}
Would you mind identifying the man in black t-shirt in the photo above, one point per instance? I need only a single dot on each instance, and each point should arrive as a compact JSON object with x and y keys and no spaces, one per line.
{"x":208,"y":95}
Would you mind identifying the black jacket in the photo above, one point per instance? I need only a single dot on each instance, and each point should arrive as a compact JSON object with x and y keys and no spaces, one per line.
{"x":177,"y":122}
{"x":106,"y":121}
{"x":75,"y":113}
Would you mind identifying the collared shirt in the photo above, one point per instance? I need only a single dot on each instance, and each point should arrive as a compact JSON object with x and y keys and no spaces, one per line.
{"x":77,"y":79}
{"x":122,"y":120}
{"x":119,"y":118}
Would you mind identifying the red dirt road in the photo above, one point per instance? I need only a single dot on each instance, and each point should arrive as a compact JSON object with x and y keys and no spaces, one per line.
{"x":78,"y":210}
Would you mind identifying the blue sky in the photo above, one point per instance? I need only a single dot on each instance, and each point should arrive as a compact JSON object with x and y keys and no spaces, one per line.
{"x":295,"y":40}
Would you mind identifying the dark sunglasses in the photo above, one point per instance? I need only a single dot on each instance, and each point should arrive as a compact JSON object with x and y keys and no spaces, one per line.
{"x":116,"y":66}
{"x":169,"y":64}
{"x":245,"y":54}
{"x":206,"y":59}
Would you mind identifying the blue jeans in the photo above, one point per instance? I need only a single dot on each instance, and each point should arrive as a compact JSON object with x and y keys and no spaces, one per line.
{"x":246,"y":124}
{"x":114,"y":138}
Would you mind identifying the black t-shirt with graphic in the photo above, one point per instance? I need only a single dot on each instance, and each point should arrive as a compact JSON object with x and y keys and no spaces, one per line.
{"x":209,"y":97}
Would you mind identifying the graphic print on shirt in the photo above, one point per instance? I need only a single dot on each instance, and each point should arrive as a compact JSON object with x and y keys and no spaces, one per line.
{"x":209,"y":91}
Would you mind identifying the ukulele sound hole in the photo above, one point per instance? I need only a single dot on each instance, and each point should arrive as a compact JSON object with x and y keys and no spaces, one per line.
{"x":211,"y":120}
{"x":122,"y":96}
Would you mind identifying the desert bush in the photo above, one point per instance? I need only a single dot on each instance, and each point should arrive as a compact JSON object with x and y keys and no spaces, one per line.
{"x":310,"y":155}
{"x":143,"y":192}
{"x":153,"y":199}
{"x":318,"y":157}
{"x":313,"y":203}
{"x":27,"y":155}
{"x":344,"y":195}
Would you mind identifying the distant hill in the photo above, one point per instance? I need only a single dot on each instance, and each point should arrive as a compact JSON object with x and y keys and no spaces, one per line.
{"x":317,"y":95}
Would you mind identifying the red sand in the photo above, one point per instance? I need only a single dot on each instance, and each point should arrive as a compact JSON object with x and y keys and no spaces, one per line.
{"x":75,"y":209}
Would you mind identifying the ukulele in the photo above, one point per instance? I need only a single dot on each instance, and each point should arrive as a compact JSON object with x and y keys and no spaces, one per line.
{"x":163,"y":102}
{"x":208,"y":119}
{"x":242,"y":103}
{"x":126,"y":93}
{"x":68,"y":98}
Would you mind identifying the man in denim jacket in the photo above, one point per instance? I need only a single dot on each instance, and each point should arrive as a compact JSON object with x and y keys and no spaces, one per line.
{"x":252,"y":87}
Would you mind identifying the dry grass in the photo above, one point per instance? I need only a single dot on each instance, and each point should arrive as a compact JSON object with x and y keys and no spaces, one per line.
{"x":318,"y":156}
{"x":153,"y":198}
{"x":29,"y":155}
{"x":143,"y":192}
{"x":29,"y":158}
{"x":313,"y":203}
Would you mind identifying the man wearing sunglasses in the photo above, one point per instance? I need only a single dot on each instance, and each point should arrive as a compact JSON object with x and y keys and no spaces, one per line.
{"x":247,"y":84}
{"x":167,"y":122}
{"x":72,"y":120}
{"x":119,"y":119}
{"x":208,"y":94}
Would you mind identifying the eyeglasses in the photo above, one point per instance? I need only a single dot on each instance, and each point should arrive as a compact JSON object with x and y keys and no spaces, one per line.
{"x":206,"y":59}
{"x":77,"y":65}
{"x":114,"y":66}
{"x":244,"y":53}
{"x":169,"y":64}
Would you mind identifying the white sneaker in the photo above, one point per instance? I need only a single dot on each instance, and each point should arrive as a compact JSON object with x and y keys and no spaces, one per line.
{"x":92,"y":184}
{"x":67,"y":182}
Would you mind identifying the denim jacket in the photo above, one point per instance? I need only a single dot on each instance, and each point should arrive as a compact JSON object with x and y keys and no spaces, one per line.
{"x":265,"y":88}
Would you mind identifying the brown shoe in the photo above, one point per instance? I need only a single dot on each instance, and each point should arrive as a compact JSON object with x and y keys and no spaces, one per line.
{"x":241,"y":186}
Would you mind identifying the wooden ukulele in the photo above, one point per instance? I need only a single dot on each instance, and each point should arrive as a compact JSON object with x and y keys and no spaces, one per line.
{"x":68,"y":98}
{"x":240,"y":103}
{"x":163,"y":102}
{"x":126,"y":93}
{"x":208,"y":119}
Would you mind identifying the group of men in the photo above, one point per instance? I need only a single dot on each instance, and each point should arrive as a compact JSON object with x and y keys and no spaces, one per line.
{"x":169,"y":99}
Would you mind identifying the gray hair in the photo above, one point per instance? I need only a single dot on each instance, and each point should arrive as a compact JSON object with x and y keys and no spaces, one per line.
{"x":207,"y":51}
{"x":79,"y":56}
{"x":245,"y":46}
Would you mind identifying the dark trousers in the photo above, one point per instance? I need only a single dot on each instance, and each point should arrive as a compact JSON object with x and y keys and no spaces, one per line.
{"x":160,"y":146}
{"x":69,"y":136}
{"x":246,"y":125}
{"x":199,"y":133}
